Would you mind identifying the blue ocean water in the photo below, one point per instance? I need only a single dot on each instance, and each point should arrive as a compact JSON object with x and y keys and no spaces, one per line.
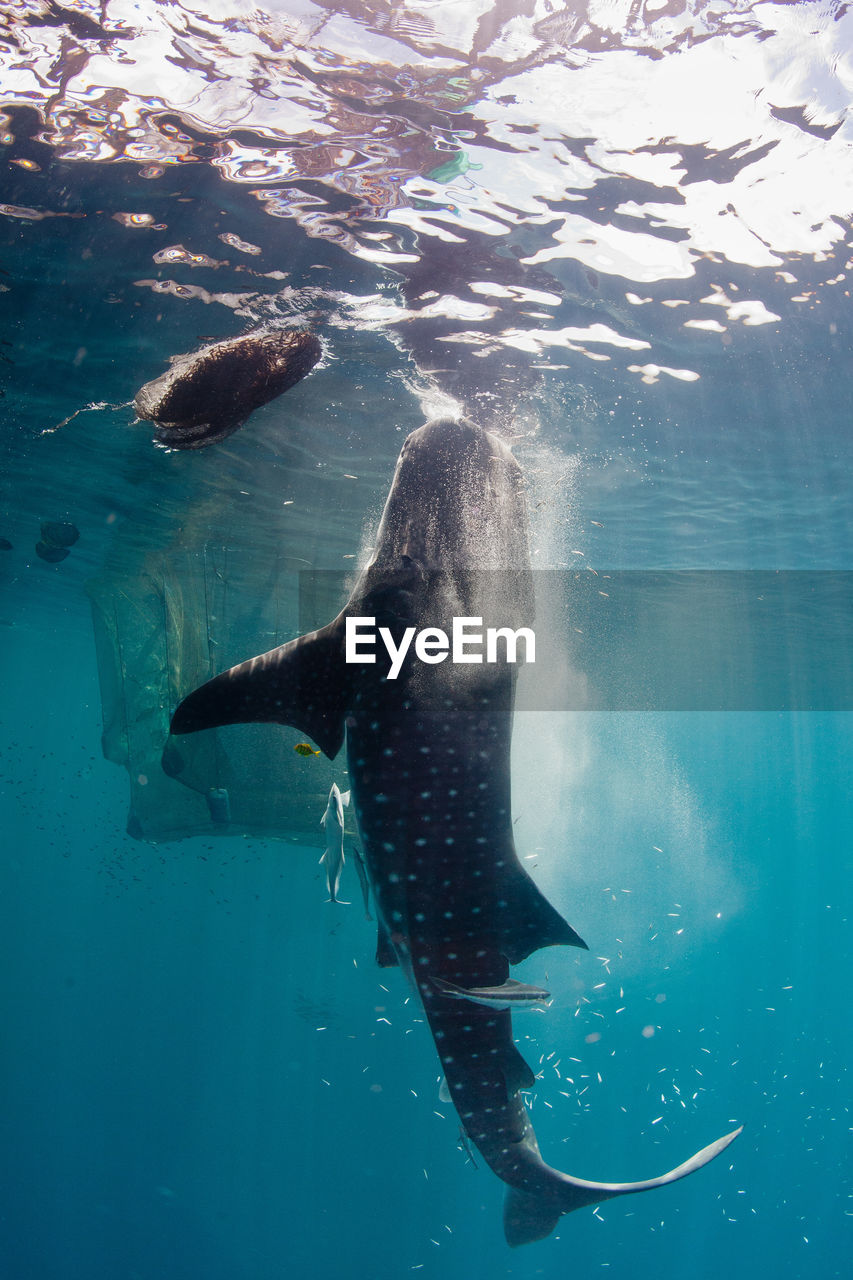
{"x":204,"y":1073}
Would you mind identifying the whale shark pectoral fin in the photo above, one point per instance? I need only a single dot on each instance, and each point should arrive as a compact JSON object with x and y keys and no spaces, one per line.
{"x":529,"y":922}
{"x":531,"y":1216}
{"x":303,"y":684}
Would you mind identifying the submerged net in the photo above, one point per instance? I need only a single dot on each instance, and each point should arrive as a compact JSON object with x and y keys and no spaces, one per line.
{"x":161,"y":631}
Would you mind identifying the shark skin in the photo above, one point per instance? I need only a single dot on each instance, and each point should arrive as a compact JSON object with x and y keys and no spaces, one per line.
{"x":429,"y":764}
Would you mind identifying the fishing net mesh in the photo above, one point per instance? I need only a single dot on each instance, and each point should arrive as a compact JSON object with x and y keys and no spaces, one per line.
{"x":164,"y":629}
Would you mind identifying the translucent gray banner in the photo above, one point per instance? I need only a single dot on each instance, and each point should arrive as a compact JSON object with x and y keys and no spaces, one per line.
{"x":669,"y":640}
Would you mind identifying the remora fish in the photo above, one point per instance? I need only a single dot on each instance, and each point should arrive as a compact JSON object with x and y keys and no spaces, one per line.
{"x":332,"y":823}
{"x":512,"y":995}
{"x":429,"y":761}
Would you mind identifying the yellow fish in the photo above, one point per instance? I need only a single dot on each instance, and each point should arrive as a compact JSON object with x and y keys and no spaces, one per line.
{"x":305,"y":749}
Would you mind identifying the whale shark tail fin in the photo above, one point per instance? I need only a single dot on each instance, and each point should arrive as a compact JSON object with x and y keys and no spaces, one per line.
{"x":530,"y":1216}
{"x":303,"y":684}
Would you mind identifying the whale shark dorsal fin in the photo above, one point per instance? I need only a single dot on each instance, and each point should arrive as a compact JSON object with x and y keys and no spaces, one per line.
{"x":304,"y":684}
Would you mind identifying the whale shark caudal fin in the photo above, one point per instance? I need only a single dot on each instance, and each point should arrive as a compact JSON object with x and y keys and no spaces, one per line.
{"x":528,"y":1217}
{"x":302,"y":683}
{"x":532,"y":1215}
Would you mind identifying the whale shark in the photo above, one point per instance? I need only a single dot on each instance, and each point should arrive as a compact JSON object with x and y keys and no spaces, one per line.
{"x":428,"y":755}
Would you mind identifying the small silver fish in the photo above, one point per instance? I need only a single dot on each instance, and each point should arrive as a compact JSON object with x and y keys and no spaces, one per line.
{"x":332,"y":823}
{"x":511,"y":995}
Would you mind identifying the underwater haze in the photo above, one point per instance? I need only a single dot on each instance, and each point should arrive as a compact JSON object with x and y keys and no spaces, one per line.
{"x":618,"y":236}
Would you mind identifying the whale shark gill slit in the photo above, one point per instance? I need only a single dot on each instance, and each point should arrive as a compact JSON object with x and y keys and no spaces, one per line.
{"x":428,"y":756}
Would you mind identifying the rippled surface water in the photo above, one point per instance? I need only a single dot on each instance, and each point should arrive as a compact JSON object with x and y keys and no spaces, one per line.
{"x":619,"y":236}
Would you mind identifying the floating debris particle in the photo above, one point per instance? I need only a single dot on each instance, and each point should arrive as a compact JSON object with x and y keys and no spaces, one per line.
{"x":57,"y":538}
{"x":59,"y":533}
{"x":208,"y":394}
{"x":145,"y":220}
{"x":228,"y":237}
